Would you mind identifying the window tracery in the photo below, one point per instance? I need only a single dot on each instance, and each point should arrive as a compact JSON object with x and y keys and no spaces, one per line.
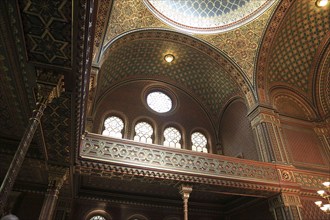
{"x":143,"y":132}
{"x":97,"y":217}
{"x":199,"y":142}
{"x":172,"y":137}
{"x":113,"y":127}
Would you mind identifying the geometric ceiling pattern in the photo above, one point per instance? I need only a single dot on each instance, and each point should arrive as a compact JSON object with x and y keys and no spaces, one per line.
{"x":210,"y":16}
{"x":130,"y":15}
{"x":302,"y":31}
{"x":242,"y":43}
{"x":56,"y":124}
{"x":292,"y":54}
{"x":191,"y":70}
{"x":291,"y":51}
{"x":47,"y":27}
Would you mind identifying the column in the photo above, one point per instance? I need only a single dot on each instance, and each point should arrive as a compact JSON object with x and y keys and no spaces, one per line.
{"x":56,"y":178}
{"x":46,"y":92}
{"x":268,"y":135}
{"x":185,"y":191}
{"x":285,"y":207}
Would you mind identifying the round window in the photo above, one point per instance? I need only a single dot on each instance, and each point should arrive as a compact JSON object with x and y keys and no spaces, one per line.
{"x":159,"y":102}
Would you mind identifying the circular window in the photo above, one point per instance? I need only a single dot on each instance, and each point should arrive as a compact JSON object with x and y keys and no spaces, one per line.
{"x":159,"y":102}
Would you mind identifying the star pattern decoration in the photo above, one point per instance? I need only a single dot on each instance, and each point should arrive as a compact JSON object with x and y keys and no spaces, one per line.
{"x":44,"y":9}
{"x":47,"y":27}
{"x":49,"y":47}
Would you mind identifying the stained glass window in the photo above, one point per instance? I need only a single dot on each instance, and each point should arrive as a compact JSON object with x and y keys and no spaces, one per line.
{"x":113,"y":127}
{"x":159,"y":102}
{"x":97,"y":217}
{"x":199,"y":142}
{"x":143,"y":132}
{"x":172,"y":137}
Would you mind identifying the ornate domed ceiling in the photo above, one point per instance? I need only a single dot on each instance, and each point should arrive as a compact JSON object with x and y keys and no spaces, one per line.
{"x":140,"y":55}
{"x":207,"y":16}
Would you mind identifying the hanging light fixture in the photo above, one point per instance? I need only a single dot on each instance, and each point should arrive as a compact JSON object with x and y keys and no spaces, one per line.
{"x":325,"y":194}
{"x":321,"y":3}
{"x":168,"y":58}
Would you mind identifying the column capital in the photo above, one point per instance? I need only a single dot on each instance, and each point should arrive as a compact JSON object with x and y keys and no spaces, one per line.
{"x":185,"y":191}
{"x":50,"y":84}
{"x":263,"y":114}
{"x":57,"y":176}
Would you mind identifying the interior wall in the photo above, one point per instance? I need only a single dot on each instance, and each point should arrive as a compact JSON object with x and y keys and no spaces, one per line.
{"x":310,"y":211}
{"x":257,"y":211}
{"x":304,"y":146}
{"x":128,"y":100}
{"x":236,"y":132}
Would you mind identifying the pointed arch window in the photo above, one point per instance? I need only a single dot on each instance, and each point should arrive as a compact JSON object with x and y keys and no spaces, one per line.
{"x":199,"y":142}
{"x":172,"y":137}
{"x":143,"y":132}
{"x":113,"y":127}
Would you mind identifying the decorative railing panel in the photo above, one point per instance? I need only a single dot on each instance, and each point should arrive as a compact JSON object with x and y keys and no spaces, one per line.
{"x":129,"y":153}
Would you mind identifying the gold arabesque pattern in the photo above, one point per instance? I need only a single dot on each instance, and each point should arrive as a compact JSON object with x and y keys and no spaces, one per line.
{"x":131,"y":14}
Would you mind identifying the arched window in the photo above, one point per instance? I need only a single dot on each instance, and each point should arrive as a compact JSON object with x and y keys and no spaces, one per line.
{"x":113,"y":127}
{"x":97,"y":217}
{"x":199,"y":142}
{"x":143,"y":132}
{"x":172,"y":137}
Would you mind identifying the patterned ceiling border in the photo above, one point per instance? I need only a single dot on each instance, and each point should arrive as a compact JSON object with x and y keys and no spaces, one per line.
{"x":265,"y":46}
{"x":168,"y":35}
{"x":103,"y":16}
{"x":82,"y":67}
{"x":321,"y":81}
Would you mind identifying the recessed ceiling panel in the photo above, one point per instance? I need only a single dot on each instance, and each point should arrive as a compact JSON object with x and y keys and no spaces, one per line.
{"x":207,"y":16}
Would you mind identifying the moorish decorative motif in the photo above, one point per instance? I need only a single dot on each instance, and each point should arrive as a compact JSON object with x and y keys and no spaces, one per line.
{"x":289,"y":46}
{"x":130,"y":15}
{"x":214,"y":80}
{"x":100,"y":148}
{"x":47,"y":27}
{"x":215,"y":16}
{"x":57,"y":126}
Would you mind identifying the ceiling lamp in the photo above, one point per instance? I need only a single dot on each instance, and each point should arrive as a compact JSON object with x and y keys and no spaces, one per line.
{"x":168,"y":58}
{"x":321,"y":3}
{"x":326,"y":195}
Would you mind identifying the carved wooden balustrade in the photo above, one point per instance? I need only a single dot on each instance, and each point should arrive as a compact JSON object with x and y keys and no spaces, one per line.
{"x":110,"y":155}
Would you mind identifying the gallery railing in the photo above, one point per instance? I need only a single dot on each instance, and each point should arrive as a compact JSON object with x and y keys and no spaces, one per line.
{"x":152,"y":157}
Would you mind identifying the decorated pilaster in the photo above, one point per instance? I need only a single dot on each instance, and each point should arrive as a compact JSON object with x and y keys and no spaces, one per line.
{"x":46,"y":92}
{"x":91,"y":95}
{"x":185,"y":191}
{"x":268,"y":135}
{"x":285,"y":206}
{"x":56,"y":178}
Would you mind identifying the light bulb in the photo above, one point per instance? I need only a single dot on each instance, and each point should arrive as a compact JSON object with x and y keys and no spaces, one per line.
{"x":321,"y":192}
{"x":169,"y":58}
{"x":318,"y":203}
{"x":326,"y":184}
{"x":321,"y":3}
